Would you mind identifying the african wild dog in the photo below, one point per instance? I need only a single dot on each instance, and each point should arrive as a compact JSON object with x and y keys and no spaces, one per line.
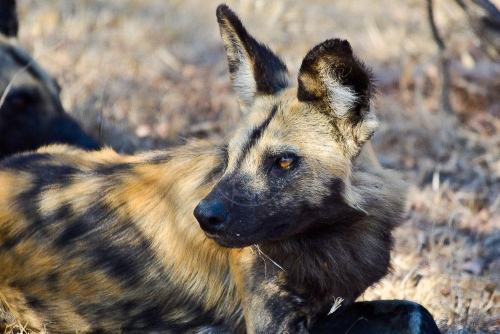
{"x":296,"y":209}
{"x":31,"y":113}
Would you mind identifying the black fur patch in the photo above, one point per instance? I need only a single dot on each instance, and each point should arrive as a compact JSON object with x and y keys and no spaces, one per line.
{"x":70,"y":232}
{"x":160,"y":158}
{"x":110,"y":254}
{"x":256,"y":135}
{"x":266,"y":66}
{"x":344,"y":67}
{"x":9,"y":24}
{"x":52,"y":279}
{"x":24,"y":162}
{"x":218,"y":169}
{"x":34,"y":302}
{"x":10,"y":243}
{"x":113,"y":169}
{"x":46,"y":176}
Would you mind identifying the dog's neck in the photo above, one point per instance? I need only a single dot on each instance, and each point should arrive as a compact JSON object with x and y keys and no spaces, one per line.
{"x":350,"y":250}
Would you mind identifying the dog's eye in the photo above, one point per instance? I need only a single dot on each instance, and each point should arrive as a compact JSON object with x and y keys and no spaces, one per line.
{"x":285,"y":162}
{"x":20,"y":98}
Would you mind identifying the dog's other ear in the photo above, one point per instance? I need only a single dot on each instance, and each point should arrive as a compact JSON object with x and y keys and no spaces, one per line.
{"x":335,"y":82}
{"x":254,"y":68}
{"x":9,"y":24}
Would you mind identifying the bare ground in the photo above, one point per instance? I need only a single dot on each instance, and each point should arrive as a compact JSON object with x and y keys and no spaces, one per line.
{"x":148,"y":74}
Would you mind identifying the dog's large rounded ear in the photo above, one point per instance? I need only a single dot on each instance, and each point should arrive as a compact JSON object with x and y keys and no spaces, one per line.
{"x":9,"y":24}
{"x":335,"y":82}
{"x":254,"y":68}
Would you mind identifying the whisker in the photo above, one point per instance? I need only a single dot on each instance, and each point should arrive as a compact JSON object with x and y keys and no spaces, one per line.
{"x":274,"y":262}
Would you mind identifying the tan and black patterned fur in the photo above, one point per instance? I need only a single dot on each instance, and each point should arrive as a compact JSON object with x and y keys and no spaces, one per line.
{"x":100,"y":242}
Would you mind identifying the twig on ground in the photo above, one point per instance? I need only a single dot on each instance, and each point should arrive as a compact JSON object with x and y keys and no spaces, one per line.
{"x":444,"y":65}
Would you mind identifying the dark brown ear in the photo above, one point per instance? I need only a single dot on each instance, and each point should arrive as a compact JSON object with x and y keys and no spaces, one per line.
{"x":8,"y":18}
{"x":335,"y":82}
{"x":254,"y":68}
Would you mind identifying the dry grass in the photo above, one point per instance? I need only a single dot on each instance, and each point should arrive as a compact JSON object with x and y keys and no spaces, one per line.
{"x":142,"y":74}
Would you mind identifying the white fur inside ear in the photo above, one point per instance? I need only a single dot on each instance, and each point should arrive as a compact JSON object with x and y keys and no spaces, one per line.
{"x":367,"y":127}
{"x":243,"y":81}
{"x":340,"y":97}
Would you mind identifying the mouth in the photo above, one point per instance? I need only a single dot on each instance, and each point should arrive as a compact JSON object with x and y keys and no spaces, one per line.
{"x":227,"y":242}
{"x":240,"y":241}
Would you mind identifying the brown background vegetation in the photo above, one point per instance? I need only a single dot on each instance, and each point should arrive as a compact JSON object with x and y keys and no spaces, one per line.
{"x":143,"y":74}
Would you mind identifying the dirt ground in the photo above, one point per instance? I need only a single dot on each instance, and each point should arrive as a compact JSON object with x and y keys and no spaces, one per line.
{"x":149,"y":74}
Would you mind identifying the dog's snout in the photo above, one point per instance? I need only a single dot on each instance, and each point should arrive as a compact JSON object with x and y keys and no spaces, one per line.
{"x":212,"y":216}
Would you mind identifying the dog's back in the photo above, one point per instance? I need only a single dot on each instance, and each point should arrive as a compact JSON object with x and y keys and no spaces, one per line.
{"x":89,"y":242}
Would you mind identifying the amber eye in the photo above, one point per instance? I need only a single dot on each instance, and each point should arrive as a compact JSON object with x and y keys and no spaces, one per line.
{"x":285,"y":162}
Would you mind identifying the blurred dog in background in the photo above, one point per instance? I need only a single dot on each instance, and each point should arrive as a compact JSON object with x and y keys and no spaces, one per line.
{"x":31,"y":113}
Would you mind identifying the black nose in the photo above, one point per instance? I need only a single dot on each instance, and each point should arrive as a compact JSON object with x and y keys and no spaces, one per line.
{"x":212,"y":216}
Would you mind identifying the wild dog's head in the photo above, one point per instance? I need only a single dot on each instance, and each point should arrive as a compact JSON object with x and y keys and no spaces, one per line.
{"x":31,"y":113}
{"x":290,"y":161}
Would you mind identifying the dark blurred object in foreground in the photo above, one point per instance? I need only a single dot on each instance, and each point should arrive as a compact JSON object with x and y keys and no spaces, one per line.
{"x":379,"y":317}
